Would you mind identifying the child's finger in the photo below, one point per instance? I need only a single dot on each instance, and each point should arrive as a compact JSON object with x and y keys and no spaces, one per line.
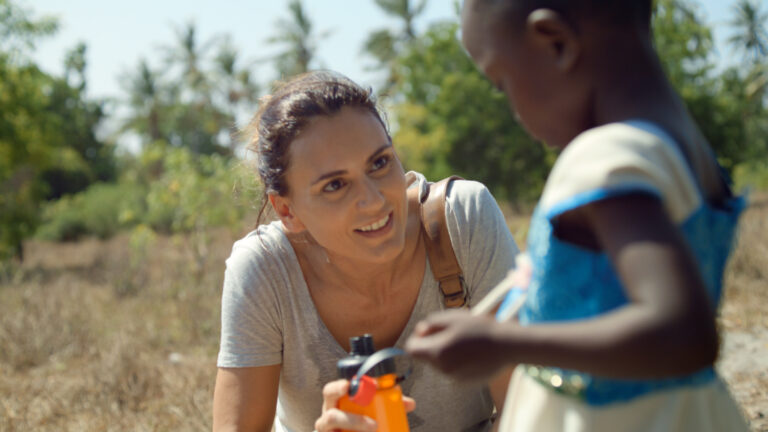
{"x":437,"y":322}
{"x":425,"y":346}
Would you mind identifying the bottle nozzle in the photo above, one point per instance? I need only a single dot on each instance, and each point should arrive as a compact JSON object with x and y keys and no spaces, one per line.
{"x":361,"y":345}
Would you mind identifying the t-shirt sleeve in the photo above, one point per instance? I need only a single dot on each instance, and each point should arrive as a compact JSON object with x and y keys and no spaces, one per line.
{"x":481,"y":239}
{"x":615,"y":160}
{"x":250,"y":323}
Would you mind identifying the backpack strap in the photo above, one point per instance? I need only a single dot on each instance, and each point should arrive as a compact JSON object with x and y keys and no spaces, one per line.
{"x":442,"y":259}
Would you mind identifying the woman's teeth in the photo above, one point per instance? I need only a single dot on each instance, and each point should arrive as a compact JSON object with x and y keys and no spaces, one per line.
{"x":376,"y":225}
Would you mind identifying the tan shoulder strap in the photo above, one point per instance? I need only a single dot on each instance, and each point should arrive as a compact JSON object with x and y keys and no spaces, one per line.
{"x":442,"y":258}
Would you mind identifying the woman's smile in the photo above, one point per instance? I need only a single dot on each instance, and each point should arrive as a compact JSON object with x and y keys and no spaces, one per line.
{"x":378,"y":228}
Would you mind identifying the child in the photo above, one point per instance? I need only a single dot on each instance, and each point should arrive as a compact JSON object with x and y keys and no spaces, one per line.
{"x":628,"y":242}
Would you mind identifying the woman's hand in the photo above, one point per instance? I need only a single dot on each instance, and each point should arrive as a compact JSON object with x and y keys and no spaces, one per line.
{"x":333,"y":418}
{"x":459,"y":344}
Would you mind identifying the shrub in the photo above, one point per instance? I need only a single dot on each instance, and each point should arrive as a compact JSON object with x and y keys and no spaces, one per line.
{"x":171,"y":190}
{"x":101,"y":210}
{"x":195,"y":192}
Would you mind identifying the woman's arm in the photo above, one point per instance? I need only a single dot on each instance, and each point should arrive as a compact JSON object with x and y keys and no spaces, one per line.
{"x":245,"y":398}
{"x":667,"y":328}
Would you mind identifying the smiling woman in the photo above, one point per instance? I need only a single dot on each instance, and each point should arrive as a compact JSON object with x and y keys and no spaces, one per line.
{"x":345,"y":258}
{"x":348,"y":188}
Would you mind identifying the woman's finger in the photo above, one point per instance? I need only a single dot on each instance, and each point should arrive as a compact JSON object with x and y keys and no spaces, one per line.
{"x":332,"y":392}
{"x":335,"y":418}
{"x":409,"y":404}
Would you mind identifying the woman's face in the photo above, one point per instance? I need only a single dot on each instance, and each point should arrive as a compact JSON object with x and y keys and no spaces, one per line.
{"x":347,"y":187}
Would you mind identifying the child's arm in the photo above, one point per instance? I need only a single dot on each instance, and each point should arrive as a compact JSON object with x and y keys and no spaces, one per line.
{"x":667,"y":328}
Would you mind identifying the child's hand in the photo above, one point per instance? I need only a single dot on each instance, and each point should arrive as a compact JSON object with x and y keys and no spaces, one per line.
{"x":459,"y":344}
{"x":333,"y":418}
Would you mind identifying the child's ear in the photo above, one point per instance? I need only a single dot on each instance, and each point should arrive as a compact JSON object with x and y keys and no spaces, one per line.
{"x":556,"y":35}
{"x":284,"y":211}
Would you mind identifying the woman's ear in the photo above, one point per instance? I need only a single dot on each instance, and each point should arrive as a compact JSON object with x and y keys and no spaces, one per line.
{"x":282,"y":207}
{"x":551,"y":31}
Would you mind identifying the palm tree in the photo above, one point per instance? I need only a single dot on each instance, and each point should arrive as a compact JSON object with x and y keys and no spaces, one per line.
{"x":384,"y":45}
{"x":188,"y":53}
{"x":750,"y":23}
{"x":751,"y":37}
{"x":236,"y":82}
{"x":74,"y":66}
{"x":296,"y":35}
{"x":236,"y":85}
{"x":147,"y":101}
{"x":404,"y":10}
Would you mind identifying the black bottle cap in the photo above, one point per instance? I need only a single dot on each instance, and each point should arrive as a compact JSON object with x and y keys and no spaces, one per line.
{"x":360,"y":347}
{"x":347,"y":367}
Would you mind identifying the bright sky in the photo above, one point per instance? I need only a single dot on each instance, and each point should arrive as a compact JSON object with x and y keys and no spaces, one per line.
{"x":119,"y":33}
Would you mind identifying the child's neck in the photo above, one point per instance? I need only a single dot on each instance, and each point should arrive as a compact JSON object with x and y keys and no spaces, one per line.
{"x":633,"y":85}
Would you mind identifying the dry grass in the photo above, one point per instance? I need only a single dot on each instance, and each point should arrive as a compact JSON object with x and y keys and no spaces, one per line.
{"x":100,"y":336}
{"x":744,"y":357}
{"x":82,"y":352}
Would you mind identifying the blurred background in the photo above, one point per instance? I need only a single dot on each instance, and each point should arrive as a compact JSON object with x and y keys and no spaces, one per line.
{"x":124,"y":179}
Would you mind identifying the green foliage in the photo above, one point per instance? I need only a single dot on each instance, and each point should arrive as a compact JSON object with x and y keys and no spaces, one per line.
{"x":724,"y":106}
{"x":101,"y":210}
{"x":193,"y":193}
{"x":47,"y":140}
{"x":683,"y":42}
{"x":451,"y":120}
{"x":168,"y":189}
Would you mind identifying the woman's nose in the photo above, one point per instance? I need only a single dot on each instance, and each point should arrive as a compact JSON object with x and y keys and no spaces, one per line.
{"x":369,"y":195}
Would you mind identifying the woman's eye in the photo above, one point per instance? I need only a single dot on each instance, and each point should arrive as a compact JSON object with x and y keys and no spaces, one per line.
{"x":333,"y":186}
{"x":380,"y":163}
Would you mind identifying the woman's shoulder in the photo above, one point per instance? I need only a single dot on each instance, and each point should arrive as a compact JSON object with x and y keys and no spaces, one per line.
{"x":469,"y":201}
{"x":265,"y":249}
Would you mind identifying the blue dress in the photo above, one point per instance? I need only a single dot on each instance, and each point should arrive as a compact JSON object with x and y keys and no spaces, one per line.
{"x":573,"y":283}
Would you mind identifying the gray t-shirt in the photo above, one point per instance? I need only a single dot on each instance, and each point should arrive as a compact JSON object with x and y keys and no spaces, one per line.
{"x":268,"y":317}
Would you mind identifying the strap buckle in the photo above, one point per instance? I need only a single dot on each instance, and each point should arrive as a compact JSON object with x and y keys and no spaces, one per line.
{"x":454,"y":291}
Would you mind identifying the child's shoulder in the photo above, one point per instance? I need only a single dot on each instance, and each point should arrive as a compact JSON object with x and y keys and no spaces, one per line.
{"x":617,"y":159}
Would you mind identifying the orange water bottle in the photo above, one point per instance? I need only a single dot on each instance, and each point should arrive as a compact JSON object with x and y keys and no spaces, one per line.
{"x":373,"y":390}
